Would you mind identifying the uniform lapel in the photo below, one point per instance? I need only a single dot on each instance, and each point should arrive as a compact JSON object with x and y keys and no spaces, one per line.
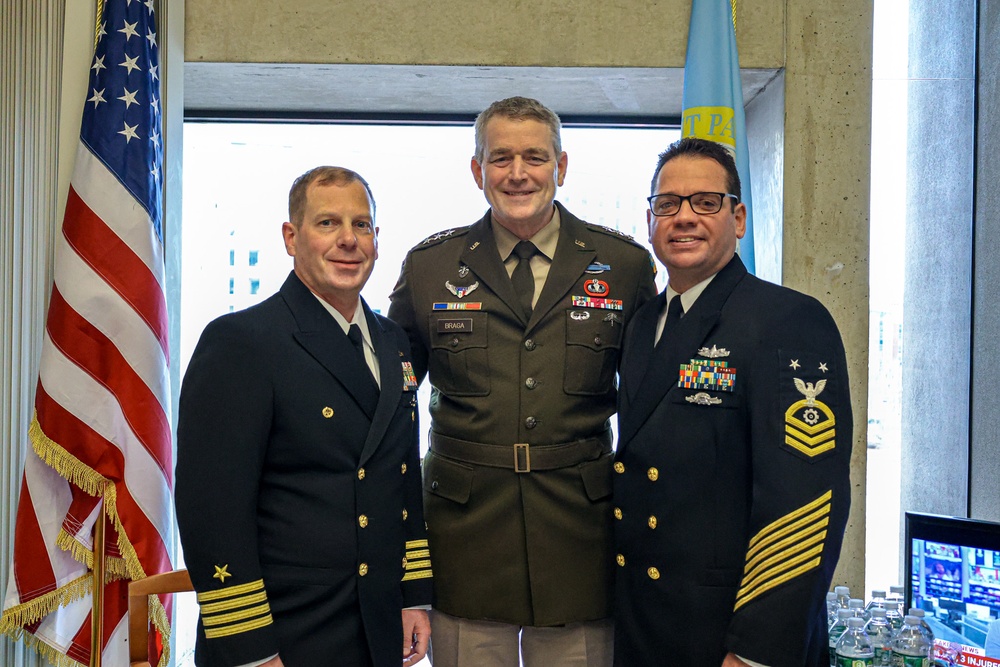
{"x":639,"y":348}
{"x":483,"y":258}
{"x":391,"y":375}
{"x":683,"y":342}
{"x":574,"y":253}
{"x":321,"y":336}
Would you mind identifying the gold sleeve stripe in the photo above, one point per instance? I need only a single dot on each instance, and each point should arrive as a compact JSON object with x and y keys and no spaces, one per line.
{"x":748,"y":586}
{"x":226,"y":605}
{"x":417,"y":564}
{"x":233,"y":591}
{"x":810,"y":440}
{"x":239,"y":628}
{"x":816,"y":541}
{"x":791,"y":517}
{"x":811,"y":451}
{"x":416,"y":544}
{"x":242,"y":615}
{"x":422,"y":574}
{"x":811,"y":565}
{"x":807,"y":520}
{"x":419,"y":553}
{"x":804,"y":536}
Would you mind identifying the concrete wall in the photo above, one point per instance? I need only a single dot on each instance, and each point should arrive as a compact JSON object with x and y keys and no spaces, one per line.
{"x":563,"y":33}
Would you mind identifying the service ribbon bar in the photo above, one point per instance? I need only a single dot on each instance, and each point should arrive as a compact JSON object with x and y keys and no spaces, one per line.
{"x":706,"y":374}
{"x":597,"y":302}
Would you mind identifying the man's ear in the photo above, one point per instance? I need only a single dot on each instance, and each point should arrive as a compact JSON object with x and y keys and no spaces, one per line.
{"x":477,"y":172}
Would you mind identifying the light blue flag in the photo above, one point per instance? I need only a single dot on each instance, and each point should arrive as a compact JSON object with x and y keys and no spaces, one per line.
{"x":713,"y":94}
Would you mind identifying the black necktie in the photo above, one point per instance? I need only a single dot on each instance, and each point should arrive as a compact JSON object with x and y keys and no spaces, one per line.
{"x":522,"y":278}
{"x":675,"y":311}
{"x":354,"y":333}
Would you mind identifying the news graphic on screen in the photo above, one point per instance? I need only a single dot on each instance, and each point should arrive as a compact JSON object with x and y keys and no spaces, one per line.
{"x":953,"y":570}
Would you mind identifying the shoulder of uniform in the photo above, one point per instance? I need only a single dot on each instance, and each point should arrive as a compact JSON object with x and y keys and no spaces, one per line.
{"x":439,"y":237}
{"x":614,"y":233}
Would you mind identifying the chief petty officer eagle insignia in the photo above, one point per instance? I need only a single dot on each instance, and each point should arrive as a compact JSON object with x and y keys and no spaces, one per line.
{"x":810,"y":423}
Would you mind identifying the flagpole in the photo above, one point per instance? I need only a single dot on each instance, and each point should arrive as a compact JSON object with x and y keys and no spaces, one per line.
{"x":97,"y":597}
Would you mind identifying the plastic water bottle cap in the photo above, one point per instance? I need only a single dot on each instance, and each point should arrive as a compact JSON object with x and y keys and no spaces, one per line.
{"x":910,"y":619}
{"x":855,"y":622}
{"x":878,"y":594}
{"x":842,"y":590}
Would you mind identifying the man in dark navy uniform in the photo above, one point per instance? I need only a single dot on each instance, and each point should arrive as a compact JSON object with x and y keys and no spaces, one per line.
{"x":732,"y":471}
{"x":298,"y":481}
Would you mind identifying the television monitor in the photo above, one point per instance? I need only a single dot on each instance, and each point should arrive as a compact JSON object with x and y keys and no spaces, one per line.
{"x":953,"y":574}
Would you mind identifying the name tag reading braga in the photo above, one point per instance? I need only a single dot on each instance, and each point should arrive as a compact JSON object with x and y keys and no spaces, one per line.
{"x":457,"y":325}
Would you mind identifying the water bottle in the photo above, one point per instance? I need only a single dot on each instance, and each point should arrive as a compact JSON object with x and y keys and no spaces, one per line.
{"x":877,"y":601}
{"x":838,"y":628}
{"x":831,"y":608}
{"x":880,"y":632}
{"x":843,"y":595}
{"x":924,"y":627}
{"x":897,"y":595}
{"x":910,"y":647}
{"x":894,"y":617}
{"x":854,"y":648}
{"x":858,"y":607}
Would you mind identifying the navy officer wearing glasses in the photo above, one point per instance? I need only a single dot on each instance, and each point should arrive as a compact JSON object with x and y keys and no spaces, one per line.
{"x":732,"y":470}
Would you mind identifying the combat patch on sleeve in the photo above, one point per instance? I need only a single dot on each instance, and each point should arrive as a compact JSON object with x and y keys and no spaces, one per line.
{"x":807,"y":396}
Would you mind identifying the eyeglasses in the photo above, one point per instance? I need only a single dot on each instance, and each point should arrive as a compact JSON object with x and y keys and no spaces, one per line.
{"x":702,"y":203}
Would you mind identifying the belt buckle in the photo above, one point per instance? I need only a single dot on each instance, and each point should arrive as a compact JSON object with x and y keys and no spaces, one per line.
{"x":522,"y":452}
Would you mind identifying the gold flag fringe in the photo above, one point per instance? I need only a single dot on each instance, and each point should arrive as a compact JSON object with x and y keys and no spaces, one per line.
{"x":14,"y":619}
{"x":114,"y":567}
{"x":56,"y":658}
{"x":128,"y":566}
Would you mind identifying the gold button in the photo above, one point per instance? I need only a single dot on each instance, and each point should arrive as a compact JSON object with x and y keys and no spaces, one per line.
{"x":618,"y":513}
{"x":327,"y":412}
{"x":620,"y":559}
{"x":653,"y":573}
{"x":363,"y":569}
{"x":405,"y":514}
{"x":403,"y":468}
{"x":619,"y":467}
{"x":652,"y":522}
{"x":363,"y":521}
{"x":413,"y":416}
{"x":653,"y":474}
{"x":404,"y":562}
{"x":361,"y":473}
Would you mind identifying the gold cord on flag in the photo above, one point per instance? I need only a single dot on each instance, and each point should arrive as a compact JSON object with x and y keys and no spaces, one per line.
{"x":100,"y":15}
{"x":733,"y":3}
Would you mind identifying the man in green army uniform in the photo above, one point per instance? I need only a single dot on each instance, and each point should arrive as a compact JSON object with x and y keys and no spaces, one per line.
{"x":518,"y":321}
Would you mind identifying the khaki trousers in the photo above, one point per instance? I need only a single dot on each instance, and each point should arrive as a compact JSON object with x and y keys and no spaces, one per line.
{"x":459,"y":642}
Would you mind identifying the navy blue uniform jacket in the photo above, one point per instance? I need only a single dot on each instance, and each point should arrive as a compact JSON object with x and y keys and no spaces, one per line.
{"x":298,"y":488}
{"x":732,"y":478}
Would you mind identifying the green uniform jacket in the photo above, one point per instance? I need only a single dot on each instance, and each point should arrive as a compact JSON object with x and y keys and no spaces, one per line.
{"x":530,"y":548}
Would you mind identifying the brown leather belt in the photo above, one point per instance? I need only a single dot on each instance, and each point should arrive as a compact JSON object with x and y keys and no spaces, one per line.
{"x":522,"y":457}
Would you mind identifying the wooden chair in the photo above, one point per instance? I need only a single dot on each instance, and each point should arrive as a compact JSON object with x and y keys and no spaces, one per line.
{"x":177,"y":581}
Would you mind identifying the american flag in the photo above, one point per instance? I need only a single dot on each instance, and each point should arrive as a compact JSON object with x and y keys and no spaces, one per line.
{"x":100,"y":439}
